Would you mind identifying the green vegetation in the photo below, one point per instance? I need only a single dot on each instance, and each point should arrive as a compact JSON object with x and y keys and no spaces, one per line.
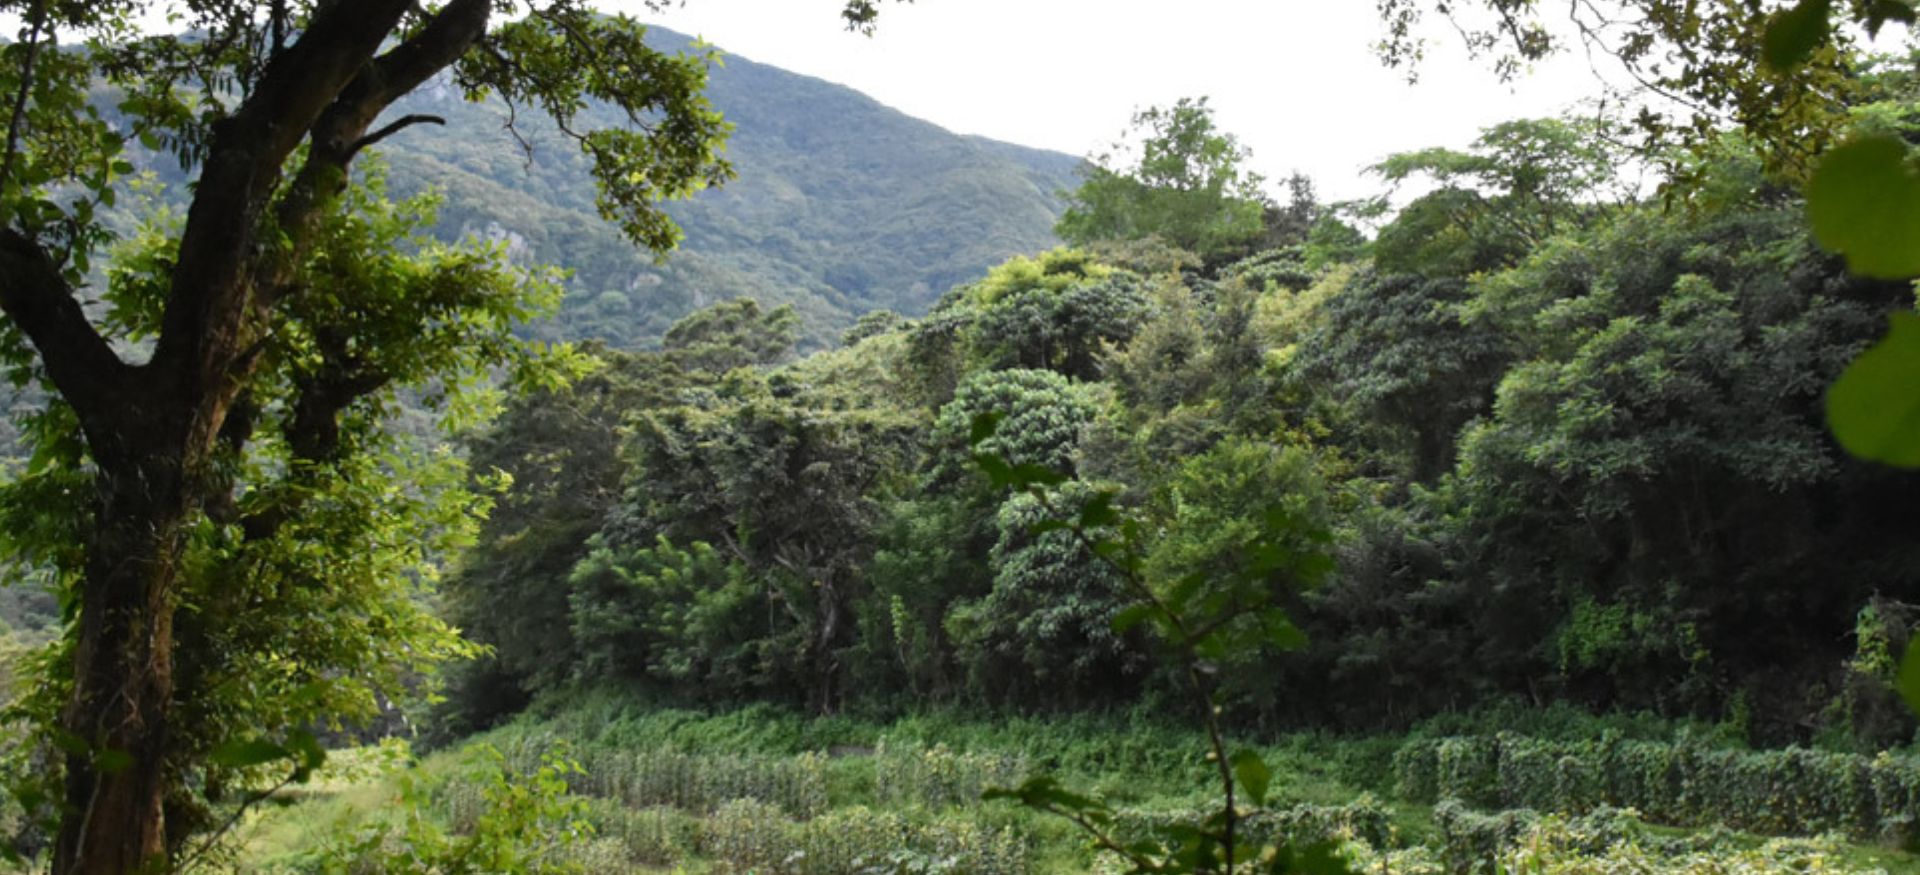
{"x":766,"y":789}
{"x":1537,"y":440}
{"x":1532,"y":524}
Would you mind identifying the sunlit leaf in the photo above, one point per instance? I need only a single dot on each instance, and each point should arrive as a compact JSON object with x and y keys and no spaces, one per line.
{"x":1864,"y":202}
{"x":112,"y":760}
{"x":249,"y":752}
{"x":1874,"y":408}
{"x":1908,"y":681}
{"x":1131,"y":616}
{"x":1252,"y":773}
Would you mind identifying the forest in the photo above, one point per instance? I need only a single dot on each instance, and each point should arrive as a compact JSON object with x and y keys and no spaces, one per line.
{"x":1548,"y":510}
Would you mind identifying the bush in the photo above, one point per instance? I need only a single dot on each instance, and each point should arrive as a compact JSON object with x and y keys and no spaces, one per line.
{"x":938,"y":777}
{"x":1794,"y":791}
{"x":1363,"y":820}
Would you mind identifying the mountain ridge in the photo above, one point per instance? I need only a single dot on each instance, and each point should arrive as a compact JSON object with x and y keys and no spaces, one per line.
{"x":842,"y":204}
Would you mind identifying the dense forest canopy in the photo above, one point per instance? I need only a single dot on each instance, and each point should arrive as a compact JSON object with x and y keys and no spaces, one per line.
{"x":1568,"y":442}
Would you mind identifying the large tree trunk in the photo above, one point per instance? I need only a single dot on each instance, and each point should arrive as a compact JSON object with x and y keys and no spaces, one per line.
{"x":123,"y":676}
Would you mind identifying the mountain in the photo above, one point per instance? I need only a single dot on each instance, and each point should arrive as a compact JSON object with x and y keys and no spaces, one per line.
{"x":842,"y":205}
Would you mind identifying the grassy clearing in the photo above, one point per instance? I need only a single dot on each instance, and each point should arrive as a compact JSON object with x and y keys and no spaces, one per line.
{"x":769,"y":791}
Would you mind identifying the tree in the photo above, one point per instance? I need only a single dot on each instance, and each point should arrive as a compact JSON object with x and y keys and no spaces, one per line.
{"x":1521,"y":183}
{"x":560,"y":447}
{"x":1779,"y":73}
{"x":733,"y":334}
{"x":1789,"y":78}
{"x":1189,"y":186}
{"x":1398,"y":349}
{"x":785,"y":487}
{"x":267,"y":105}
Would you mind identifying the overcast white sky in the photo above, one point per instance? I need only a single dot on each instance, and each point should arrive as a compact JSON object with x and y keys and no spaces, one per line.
{"x":1296,"y":80}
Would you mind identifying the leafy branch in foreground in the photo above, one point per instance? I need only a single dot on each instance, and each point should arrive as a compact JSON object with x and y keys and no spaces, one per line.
{"x":1212,"y":614}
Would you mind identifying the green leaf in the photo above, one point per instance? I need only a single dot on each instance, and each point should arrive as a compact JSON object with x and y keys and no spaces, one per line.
{"x":1864,"y":203}
{"x":1794,"y":33}
{"x":1282,"y":633}
{"x":997,"y":470}
{"x":1131,"y":616}
{"x":1252,"y":773}
{"x":1037,"y":475}
{"x":1908,"y":681}
{"x":252,"y":752}
{"x":1319,"y":858}
{"x":111,"y":760}
{"x":1874,"y":408}
{"x":306,"y":747}
{"x":1098,"y":512}
{"x":1879,"y":12}
{"x":70,"y":743}
{"x":1044,"y":526}
{"x":984,"y":426}
{"x":1044,"y":792}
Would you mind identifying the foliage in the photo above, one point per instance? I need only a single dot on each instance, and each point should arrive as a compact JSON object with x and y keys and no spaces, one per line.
{"x":678,"y":615}
{"x":1588,"y":471}
{"x":511,"y":824}
{"x":1206,"y":616}
{"x":1187,"y":184}
{"x":1521,"y":183}
{"x":217,"y":426}
{"x":1718,"y":63}
{"x":1778,"y":792}
{"x":1039,"y":415}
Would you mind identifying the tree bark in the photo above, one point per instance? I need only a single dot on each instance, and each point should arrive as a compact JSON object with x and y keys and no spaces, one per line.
{"x":123,"y":676}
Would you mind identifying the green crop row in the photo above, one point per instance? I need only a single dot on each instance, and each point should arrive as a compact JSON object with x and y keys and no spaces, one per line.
{"x":938,"y":777}
{"x":1601,"y":842}
{"x":748,"y":836}
{"x":1779,"y":792}
{"x":797,"y":785}
{"x":1363,"y":820}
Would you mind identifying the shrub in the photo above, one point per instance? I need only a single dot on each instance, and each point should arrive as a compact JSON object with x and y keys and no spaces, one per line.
{"x":1794,"y":791}
{"x":1363,"y":820}
{"x":938,"y":777}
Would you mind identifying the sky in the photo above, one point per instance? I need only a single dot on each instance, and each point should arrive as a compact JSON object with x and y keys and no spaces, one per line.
{"x":1297,"y":81}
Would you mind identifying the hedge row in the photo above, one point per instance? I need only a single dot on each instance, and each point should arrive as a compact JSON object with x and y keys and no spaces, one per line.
{"x":1363,"y":819}
{"x":1781,"y":792}
{"x":1601,"y":842}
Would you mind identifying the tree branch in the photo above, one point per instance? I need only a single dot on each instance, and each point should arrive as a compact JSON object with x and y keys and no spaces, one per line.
{"x":89,"y":375}
{"x":209,"y":285}
{"x":340,"y":132}
{"x":405,"y":122}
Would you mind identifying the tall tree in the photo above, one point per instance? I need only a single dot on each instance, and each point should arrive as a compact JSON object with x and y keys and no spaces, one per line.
{"x":1188,"y":184}
{"x":267,"y":104}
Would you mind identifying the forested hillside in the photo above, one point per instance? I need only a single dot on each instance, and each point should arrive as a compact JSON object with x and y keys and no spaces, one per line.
{"x":842,"y":205}
{"x":1549,"y":444}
